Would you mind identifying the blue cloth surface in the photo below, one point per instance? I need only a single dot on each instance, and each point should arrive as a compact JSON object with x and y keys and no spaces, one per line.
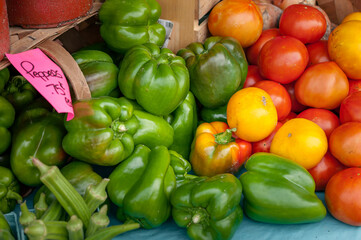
{"x":327,"y":229}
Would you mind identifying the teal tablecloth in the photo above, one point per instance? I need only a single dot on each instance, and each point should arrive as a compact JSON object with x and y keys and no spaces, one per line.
{"x":328,"y":229}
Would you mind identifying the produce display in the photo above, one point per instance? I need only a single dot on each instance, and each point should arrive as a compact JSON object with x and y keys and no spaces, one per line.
{"x":252,"y":123}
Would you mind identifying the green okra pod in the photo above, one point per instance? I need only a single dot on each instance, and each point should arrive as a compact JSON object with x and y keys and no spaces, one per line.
{"x":113,"y":231}
{"x":98,"y":220}
{"x":36,"y":230}
{"x":40,"y":206}
{"x":54,"y":212}
{"x":75,"y":228}
{"x":26,"y":217}
{"x":65,"y":193}
{"x":96,"y":194}
{"x":55,"y":230}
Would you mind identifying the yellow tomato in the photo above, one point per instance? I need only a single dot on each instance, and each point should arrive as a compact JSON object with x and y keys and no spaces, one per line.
{"x":252,"y":112}
{"x":344,"y":47}
{"x":352,"y":16}
{"x":300,"y":140}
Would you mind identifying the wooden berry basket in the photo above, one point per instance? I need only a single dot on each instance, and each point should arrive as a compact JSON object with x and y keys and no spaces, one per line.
{"x":49,"y":40}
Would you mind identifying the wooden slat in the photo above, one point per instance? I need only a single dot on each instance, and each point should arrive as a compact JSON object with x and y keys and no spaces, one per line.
{"x":201,"y":31}
{"x":204,"y":6}
{"x":182,"y":14}
{"x":30,"y":38}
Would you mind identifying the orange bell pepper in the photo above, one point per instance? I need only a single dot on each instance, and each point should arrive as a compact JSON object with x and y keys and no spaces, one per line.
{"x":216,"y":150}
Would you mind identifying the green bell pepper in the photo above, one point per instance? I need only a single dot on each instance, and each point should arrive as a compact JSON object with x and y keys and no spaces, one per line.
{"x":184,"y":121}
{"x":38,"y":133}
{"x":209,"y":207}
{"x":156,"y":78}
{"x":141,"y":186}
{"x":4,"y":78}
{"x":79,"y":174}
{"x":214,"y":114}
{"x":7,"y":118}
{"x":278,"y":190}
{"x":9,"y":190}
{"x":125,"y":23}
{"x":19,"y":92}
{"x":217,"y":69}
{"x":5,"y":230}
{"x":105,"y":130}
{"x":99,"y":71}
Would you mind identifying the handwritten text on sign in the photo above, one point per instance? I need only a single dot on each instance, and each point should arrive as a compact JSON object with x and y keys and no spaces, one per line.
{"x":46,"y":77}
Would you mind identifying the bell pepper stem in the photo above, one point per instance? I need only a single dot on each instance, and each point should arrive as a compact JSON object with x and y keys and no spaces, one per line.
{"x":224,"y":137}
{"x":14,"y":195}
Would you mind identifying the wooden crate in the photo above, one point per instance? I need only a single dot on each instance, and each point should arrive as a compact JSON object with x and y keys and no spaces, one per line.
{"x":49,"y":40}
{"x":189,"y":18}
{"x":337,"y":10}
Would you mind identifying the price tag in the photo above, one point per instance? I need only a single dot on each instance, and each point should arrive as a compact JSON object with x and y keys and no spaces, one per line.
{"x":46,"y":77}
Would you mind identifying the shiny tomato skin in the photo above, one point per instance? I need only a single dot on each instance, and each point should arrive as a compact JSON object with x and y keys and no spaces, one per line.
{"x":265,"y":144}
{"x":323,"y":85}
{"x":324,"y":118}
{"x":350,"y":109}
{"x":247,"y":110}
{"x":279,"y":95}
{"x":354,"y":86}
{"x":253,"y":76}
{"x":283,"y":59}
{"x":345,"y":144}
{"x":324,"y":170}
{"x":318,"y":52}
{"x":240,"y":19}
{"x":303,"y":22}
{"x":343,"y":194}
{"x":252,"y":52}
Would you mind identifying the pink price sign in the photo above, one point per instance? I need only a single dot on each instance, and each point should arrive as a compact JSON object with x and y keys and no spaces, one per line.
{"x":46,"y":77}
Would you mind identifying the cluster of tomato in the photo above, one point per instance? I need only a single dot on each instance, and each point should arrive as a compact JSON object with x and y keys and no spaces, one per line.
{"x":310,"y":77}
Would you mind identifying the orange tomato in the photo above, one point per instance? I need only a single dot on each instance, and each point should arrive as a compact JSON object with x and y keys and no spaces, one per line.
{"x":344,"y":47}
{"x":252,"y":112}
{"x":342,"y":196}
{"x":352,"y":16}
{"x":322,"y":85}
{"x":300,"y":140}
{"x":240,"y":19}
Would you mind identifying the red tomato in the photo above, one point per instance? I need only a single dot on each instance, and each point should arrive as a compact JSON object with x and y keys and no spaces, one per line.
{"x":350,"y":109}
{"x":324,"y":170}
{"x":296,"y":106}
{"x":279,"y":95}
{"x":323,"y":85}
{"x":290,"y":116}
{"x":253,"y":51}
{"x":283,"y":59}
{"x":303,"y":22}
{"x":343,"y":194}
{"x":253,"y":76}
{"x":345,"y":144}
{"x":265,"y":144}
{"x":355,"y":86}
{"x":324,"y":118}
{"x":318,"y":52}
